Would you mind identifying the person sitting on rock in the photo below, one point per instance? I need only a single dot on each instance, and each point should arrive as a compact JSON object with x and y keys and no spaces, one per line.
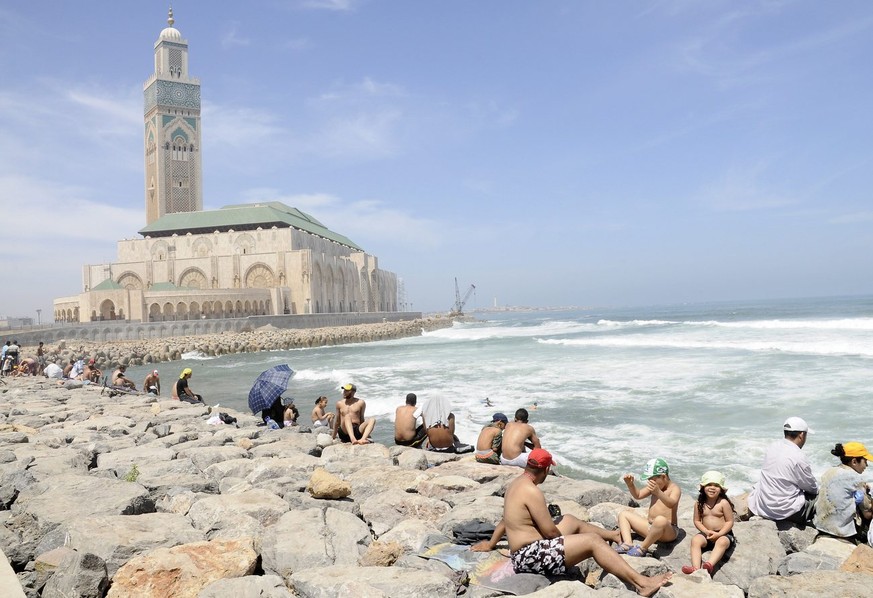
{"x":290,"y":413}
{"x":152,"y":383}
{"x":538,"y":545}
{"x":661,"y":522}
{"x":490,"y":441}
{"x":517,"y":437}
{"x":349,"y":423}
{"x":120,"y":380}
{"x":320,"y":416}
{"x":843,"y":507}
{"x":91,"y":373}
{"x":439,"y":423}
{"x":714,"y":520}
{"x":183,"y":392}
{"x":787,"y":489}
{"x":406,"y":433}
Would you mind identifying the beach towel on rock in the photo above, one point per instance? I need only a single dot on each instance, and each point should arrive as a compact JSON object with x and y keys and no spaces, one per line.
{"x":490,"y":570}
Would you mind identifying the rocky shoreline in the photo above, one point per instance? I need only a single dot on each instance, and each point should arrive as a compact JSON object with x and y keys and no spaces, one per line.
{"x":150,"y":497}
{"x":267,"y":338}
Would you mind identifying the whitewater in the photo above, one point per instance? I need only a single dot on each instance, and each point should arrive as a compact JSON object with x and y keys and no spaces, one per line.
{"x":704,"y":386}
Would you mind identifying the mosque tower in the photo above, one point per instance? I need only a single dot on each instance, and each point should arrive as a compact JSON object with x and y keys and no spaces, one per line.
{"x":173,"y":174}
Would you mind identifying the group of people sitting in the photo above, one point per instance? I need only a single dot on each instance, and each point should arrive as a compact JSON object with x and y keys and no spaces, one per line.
{"x":547,"y":543}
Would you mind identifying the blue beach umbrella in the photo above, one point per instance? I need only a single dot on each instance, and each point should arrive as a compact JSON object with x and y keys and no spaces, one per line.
{"x":269,"y":386}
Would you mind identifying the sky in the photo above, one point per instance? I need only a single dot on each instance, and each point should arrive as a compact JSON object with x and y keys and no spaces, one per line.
{"x":556,"y":153}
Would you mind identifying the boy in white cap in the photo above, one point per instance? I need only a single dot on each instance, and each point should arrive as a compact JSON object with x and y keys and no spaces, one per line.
{"x":661,"y":524}
{"x":787,"y":488}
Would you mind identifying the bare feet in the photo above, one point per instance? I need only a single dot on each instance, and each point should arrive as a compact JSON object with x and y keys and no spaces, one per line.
{"x":653,"y":584}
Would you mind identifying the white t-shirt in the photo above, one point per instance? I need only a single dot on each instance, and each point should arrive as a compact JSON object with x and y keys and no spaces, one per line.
{"x":785,"y":476}
{"x":53,"y":370}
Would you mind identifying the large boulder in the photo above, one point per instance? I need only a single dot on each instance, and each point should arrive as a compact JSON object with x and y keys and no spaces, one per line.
{"x":384,"y":511}
{"x":325,"y":485}
{"x":80,"y":574}
{"x":222,"y":511}
{"x":584,"y":492}
{"x":183,"y":571}
{"x":341,"y":580}
{"x":334,"y":537}
{"x":758,"y":553}
{"x":250,"y":586}
{"x":118,"y":538}
{"x":205,"y":456}
{"x":811,"y":585}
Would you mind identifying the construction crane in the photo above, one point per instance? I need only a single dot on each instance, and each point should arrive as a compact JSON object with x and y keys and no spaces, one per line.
{"x":458,"y":309}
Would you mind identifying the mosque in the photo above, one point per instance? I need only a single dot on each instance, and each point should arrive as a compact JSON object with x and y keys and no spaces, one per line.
{"x":238,"y":261}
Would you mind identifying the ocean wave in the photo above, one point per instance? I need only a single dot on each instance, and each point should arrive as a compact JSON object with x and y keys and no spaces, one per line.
{"x":198,"y":355}
{"x":862,"y":348}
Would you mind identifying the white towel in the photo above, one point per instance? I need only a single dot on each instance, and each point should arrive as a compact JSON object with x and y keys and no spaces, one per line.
{"x":436,"y":411}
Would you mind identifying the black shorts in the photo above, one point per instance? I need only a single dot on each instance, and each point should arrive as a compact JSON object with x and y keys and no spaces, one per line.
{"x":710,"y":544}
{"x":345,"y":437}
{"x":420,"y":435}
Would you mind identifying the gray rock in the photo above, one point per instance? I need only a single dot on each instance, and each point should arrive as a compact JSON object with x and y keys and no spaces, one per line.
{"x":585,"y":492}
{"x":205,"y":456}
{"x":122,"y":460}
{"x":289,"y":446}
{"x":250,"y":586}
{"x":262,"y":506}
{"x":489,"y":508}
{"x":334,"y":538}
{"x":411,"y":459}
{"x":803,"y":562}
{"x":369,"y":481}
{"x":398,"y":582}
{"x":384,"y":511}
{"x":795,"y":539}
{"x":810,"y":585}
{"x":10,"y":587}
{"x":273,"y":468}
{"x":116,"y":539}
{"x":758,"y":553}
{"x":82,"y":575}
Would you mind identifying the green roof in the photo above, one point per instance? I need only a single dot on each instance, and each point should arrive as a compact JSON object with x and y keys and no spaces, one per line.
{"x":242,"y":217}
{"x":107,"y":285}
{"x":164,"y":286}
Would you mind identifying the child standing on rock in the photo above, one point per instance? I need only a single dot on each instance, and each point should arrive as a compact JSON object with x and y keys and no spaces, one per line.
{"x":661,"y":524}
{"x":714,"y":518}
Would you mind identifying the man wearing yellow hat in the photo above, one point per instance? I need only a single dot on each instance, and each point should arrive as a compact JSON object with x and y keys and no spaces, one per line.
{"x":181,"y":390}
{"x":349,"y":423}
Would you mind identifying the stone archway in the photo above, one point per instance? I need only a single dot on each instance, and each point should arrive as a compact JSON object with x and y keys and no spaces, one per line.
{"x":107,"y":310}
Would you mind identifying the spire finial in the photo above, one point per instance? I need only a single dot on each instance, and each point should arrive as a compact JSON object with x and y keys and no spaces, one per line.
{"x":170,"y":19}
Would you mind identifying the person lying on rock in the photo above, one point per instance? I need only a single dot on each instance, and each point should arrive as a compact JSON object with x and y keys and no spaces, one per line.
{"x":538,"y":545}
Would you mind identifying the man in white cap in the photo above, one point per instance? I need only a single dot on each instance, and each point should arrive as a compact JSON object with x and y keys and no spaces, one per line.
{"x":152,"y":383}
{"x":787,"y":488}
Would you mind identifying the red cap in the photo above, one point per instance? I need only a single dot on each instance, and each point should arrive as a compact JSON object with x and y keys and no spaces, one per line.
{"x":90,"y":361}
{"x":540,"y":459}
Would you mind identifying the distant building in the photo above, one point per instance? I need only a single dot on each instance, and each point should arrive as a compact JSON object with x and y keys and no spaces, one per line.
{"x":241,"y":260}
{"x":7,"y":322}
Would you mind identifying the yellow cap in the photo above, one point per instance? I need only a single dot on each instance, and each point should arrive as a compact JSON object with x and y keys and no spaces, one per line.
{"x":712,"y":477}
{"x":856,"y":449}
{"x":185,"y":372}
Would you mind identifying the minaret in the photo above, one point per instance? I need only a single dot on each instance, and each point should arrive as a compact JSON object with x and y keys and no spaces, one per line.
{"x":173,"y":176}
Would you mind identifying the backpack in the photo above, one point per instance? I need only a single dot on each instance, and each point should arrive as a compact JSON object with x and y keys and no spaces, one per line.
{"x":473,"y":531}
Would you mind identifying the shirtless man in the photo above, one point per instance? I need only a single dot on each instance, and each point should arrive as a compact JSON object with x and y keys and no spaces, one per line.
{"x":152,"y":383}
{"x":537,"y":545}
{"x":349,"y":422}
{"x":516,"y":435}
{"x":320,"y":417}
{"x":91,"y":372}
{"x":119,"y":379}
{"x":490,"y":442}
{"x":406,"y":433}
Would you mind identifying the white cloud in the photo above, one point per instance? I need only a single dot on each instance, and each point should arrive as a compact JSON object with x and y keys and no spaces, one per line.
{"x":334,"y":5}
{"x":740,"y":190}
{"x":233,"y":39}
{"x":363,"y":135}
{"x":225,"y":129}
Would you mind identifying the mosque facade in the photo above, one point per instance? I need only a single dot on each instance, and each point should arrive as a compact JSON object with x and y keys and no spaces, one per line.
{"x":238,"y":261}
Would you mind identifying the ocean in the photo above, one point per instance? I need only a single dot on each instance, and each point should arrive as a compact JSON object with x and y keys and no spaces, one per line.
{"x":705,"y":386}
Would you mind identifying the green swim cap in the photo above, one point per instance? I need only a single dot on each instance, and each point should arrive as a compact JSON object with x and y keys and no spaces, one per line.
{"x":655,"y":467}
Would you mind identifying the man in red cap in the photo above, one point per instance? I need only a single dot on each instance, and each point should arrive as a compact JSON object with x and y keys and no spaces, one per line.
{"x":91,"y":373}
{"x":538,"y":545}
{"x":152,"y":383}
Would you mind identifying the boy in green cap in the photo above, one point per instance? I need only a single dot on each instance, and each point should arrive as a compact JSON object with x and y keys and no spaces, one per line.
{"x":661,"y":524}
